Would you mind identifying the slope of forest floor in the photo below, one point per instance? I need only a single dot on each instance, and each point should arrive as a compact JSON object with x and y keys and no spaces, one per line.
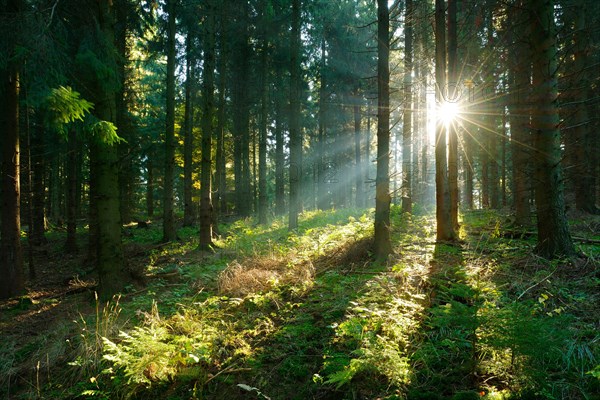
{"x":273,"y":314}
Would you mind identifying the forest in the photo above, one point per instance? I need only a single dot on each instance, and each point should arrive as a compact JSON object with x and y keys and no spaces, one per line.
{"x":300,"y":199}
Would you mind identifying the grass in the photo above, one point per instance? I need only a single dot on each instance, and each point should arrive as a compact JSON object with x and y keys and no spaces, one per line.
{"x":308,"y":315}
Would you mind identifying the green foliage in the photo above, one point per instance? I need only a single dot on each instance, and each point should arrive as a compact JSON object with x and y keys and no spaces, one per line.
{"x":377,"y":335}
{"x":471,"y":322}
{"x":105,"y":132}
{"x":64,"y":106}
{"x":161,"y":349}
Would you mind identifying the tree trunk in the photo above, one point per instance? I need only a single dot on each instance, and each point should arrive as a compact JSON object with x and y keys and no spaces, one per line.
{"x":11,"y":257}
{"x":104,"y":162}
{"x":220,"y":168}
{"x":295,"y":133}
{"x":262,"y":140}
{"x":71,"y":242}
{"x":126,"y":168}
{"x":583,"y":149}
{"x":29,"y":193}
{"x":428,"y":180}
{"x":519,"y":118}
{"x":279,"y":157}
{"x":382,"y":243}
{"x":451,"y":89}
{"x":554,"y":238}
{"x":359,"y":175}
{"x":322,"y":194}
{"x":169,"y":231}
{"x":468,"y":172}
{"x":150,"y":183}
{"x":445,"y":229}
{"x":38,"y":147}
{"x":407,"y":118}
{"x":241,"y":109}
{"x":207,"y":129}
{"x":189,"y":207}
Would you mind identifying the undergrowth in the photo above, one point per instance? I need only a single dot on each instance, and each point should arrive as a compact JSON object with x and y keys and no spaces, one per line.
{"x":307,"y":314}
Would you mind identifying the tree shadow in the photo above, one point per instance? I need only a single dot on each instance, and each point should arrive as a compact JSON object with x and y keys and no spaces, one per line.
{"x":445,"y":358}
{"x":285,"y":362}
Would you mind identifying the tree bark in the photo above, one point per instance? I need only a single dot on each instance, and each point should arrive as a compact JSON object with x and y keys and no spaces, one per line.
{"x":407,"y":117}
{"x":359,"y":168}
{"x":262,"y":141}
{"x":189,"y":207}
{"x":323,"y":202}
{"x":126,"y":169}
{"x":519,"y":118}
{"x":554,"y":238}
{"x":169,"y":231}
{"x":150,"y":183}
{"x":451,"y":89}
{"x":11,"y":257}
{"x":72,"y":178}
{"x":104,"y":162}
{"x":445,"y":229}
{"x":382,"y":242}
{"x":279,"y":156}
{"x":583,"y":149}
{"x":241,"y":109}
{"x":38,"y":229}
{"x":207,"y":129}
{"x":295,"y":132}
{"x":220,"y":168}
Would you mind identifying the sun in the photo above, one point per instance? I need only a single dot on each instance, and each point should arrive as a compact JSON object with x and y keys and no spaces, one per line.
{"x":448,"y":111}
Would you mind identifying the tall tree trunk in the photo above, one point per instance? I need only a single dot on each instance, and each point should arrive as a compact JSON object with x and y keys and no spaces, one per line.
{"x":72,"y":178}
{"x":503,"y":165}
{"x":241,"y":109}
{"x":38,"y":150}
{"x":554,"y":238}
{"x":54,"y":187}
{"x":29,"y":193}
{"x":295,"y":132}
{"x":428,"y":180}
{"x":189,"y":207}
{"x":322,"y":195}
{"x":369,"y":196}
{"x":150,"y":183}
{"x":11,"y":257}
{"x":519,"y":118}
{"x":104,"y":162}
{"x":407,"y":117}
{"x":445,"y":229}
{"x":583,"y":149}
{"x":468,"y":172}
{"x":220,"y":168}
{"x":207,"y":129}
{"x":262,"y":140}
{"x":451,"y":89}
{"x":359,"y":168}
{"x":169,"y":231}
{"x":279,"y":156}
{"x":382,"y":242}
{"x":126,"y":168}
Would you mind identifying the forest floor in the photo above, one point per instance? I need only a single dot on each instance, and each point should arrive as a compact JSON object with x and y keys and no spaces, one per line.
{"x":273,"y":314}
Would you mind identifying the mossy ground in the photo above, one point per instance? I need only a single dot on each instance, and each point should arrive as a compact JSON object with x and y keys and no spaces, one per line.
{"x":308,"y":315}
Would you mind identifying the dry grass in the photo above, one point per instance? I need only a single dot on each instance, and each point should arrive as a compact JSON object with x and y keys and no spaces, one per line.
{"x":347,"y":256}
{"x":260,"y":274}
